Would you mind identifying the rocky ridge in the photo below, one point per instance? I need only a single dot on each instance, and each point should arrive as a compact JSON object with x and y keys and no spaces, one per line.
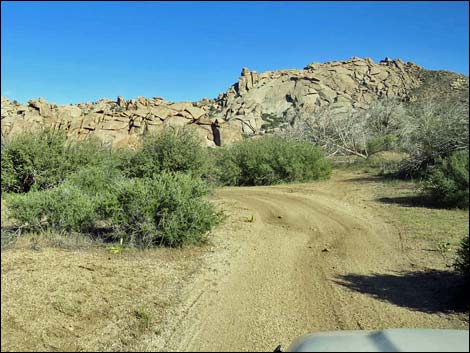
{"x":258,"y":103}
{"x":120,"y":123}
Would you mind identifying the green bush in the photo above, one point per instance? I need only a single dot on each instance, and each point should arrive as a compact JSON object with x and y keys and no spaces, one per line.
{"x":448,"y":182}
{"x":65,"y":208}
{"x":99,"y":183}
{"x":225,"y":169}
{"x":83,"y":186}
{"x":270,"y":160}
{"x":9,"y":178}
{"x":33,"y":161}
{"x":43,"y":160}
{"x":168,"y":209}
{"x":462,"y":263}
{"x":91,"y":152}
{"x":169,"y":150}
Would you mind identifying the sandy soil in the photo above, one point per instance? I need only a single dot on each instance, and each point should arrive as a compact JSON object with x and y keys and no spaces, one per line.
{"x":306,"y":258}
{"x":56,"y":299}
{"x":289,"y":260}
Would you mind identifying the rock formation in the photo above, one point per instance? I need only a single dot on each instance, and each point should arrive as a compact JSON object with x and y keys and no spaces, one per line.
{"x":120,"y":122}
{"x":258,"y":103}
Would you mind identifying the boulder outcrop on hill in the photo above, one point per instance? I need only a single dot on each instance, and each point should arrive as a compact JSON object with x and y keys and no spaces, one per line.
{"x":264,"y":102}
{"x":120,"y":123}
{"x":258,"y":103}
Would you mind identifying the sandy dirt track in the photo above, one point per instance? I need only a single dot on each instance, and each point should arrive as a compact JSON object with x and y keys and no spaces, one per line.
{"x":298,"y":259}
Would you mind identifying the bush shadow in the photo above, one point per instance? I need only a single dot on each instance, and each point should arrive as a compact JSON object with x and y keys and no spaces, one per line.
{"x":432,"y":291}
{"x":366,"y":179}
{"x":423,"y":201}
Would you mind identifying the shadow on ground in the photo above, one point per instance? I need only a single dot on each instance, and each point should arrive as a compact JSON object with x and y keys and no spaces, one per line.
{"x":366,"y":179}
{"x":411,"y":201}
{"x":429,"y":291}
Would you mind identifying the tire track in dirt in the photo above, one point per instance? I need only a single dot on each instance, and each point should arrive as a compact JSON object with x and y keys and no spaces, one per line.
{"x":274,"y":275}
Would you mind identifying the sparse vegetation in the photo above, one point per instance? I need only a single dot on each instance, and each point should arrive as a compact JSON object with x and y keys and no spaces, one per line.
{"x":144,"y":319}
{"x":351,"y":131}
{"x":436,"y":128}
{"x":426,"y":130}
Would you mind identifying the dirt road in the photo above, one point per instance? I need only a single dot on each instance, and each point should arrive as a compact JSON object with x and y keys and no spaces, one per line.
{"x":288,"y":260}
{"x":297,"y":259}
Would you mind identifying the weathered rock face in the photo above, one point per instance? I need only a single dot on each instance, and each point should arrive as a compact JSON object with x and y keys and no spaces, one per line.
{"x":256,"y":104}
{"x":260,"y":103}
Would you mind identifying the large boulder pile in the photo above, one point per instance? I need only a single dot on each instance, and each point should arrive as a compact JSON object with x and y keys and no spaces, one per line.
{"x":119,"y":123}
{"x":258,"y":103}
{"x":268,"y":101}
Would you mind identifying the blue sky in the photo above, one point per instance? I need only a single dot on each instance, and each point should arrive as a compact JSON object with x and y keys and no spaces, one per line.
{"x":71,"y":52}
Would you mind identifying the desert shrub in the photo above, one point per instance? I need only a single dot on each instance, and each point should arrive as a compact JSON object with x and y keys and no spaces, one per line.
{"x":350,"y":131}
{"x":33,"y":161}
{"x":65,"y":208}
{"x":92,"y":152}
{"x":271,"y":160}
{"x":273,"y":121}
{"x":337,"y":133}
{"x":462,"y":262}
{"x":382,"y":163}
{"x":168,"y":209}
{"x":448,"y":182}
{"x":9,"y":178}
{"x":385,"y":117}
{"x":381,"y":144}
{"x":225,"y":169}
{"x":43,"y":160}
{"x":99,"y":183}
{"x":436,"y":127}
{"x":168,"y":150}
{"x":83,"y":199}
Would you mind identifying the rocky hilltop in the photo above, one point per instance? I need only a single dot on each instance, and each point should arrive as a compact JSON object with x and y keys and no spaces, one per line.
{"x":258,"y":103}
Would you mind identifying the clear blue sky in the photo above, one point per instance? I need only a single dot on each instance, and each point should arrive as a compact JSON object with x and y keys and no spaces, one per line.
{"x":70,"y":52}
